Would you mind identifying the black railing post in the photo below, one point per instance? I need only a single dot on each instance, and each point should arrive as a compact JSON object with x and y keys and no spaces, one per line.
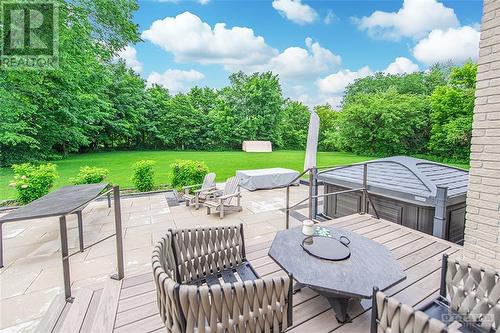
{"x":439,"y":228}
{"x":65,"y":259}
{"x":364,"y":206}
{"x":119,"y":234}
{"x":287,"y":212}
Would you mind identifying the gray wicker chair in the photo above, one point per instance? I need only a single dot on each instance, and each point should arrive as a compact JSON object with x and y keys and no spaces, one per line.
{"x":391,"y":316}
{"x":469,"y":294}
{"x":205,"y":284}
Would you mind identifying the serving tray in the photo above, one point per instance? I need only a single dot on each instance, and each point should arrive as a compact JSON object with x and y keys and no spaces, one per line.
{"x":327,"y":248}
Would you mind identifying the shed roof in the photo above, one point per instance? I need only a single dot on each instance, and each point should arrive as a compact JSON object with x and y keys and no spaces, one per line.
{"x":403,"y":178}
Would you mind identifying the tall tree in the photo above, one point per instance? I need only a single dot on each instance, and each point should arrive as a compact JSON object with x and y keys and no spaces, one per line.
{"x":452,"y":110}
{"x":291,"y":132}
{"x":255,"y":101}
{"x":181,"y":124}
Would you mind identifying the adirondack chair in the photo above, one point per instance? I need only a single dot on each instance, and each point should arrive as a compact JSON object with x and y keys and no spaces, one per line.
{"x":199,"y":195}
{"x":223,"y":203}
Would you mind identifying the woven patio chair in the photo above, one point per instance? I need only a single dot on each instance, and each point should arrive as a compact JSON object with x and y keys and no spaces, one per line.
{"x":205,"y":284}
{"x":223,"y":202}
{"x":469,"y":294}
{"x":195,"y":196}
{"x":391,"y":316}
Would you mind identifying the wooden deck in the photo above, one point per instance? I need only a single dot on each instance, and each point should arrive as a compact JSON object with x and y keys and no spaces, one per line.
{"x":130,"y":305}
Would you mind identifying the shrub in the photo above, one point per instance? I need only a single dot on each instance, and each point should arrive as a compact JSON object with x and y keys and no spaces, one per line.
{"x":187,"y":172}
{"x":33,"y":182}
{"x":143,"y":177}
{"x":90,"y":175}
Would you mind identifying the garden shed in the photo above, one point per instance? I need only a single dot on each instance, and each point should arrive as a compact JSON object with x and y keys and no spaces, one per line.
{"x":412,"y":192}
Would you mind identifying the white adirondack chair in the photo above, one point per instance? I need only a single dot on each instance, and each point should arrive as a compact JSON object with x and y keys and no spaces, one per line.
{"x":223,"y":203}
{"x":201,"y":194}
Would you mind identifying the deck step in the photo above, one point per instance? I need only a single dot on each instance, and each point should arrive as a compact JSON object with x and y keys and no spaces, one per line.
{"x":104,"y":320}
{"x":73,"y":320}
{"x":51,"y":317}
{"x":93,"y":310}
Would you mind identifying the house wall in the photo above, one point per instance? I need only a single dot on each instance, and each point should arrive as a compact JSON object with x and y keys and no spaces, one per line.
{"x":482,"y":229}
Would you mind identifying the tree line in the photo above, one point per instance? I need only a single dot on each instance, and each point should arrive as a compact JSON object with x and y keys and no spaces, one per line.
{"x":94,"y":103}
{"x":419,"y":113}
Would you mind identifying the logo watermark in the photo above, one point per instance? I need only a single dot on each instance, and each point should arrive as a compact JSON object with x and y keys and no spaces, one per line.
{"x":29,"y":35}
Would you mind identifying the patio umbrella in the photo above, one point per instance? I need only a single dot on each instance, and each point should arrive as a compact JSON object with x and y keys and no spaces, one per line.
{"x":312,"y":141}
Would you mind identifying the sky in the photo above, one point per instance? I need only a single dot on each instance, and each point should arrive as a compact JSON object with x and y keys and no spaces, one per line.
{"x":316,"y":47}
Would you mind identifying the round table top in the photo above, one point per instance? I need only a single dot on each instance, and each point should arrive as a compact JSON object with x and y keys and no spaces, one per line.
{"x":370,"y":264}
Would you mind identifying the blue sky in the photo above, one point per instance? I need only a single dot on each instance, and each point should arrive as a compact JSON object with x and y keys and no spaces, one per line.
{"x":317,"y":47}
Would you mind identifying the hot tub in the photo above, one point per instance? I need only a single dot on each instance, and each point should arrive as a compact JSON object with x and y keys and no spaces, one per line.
{"x":404,"y":190}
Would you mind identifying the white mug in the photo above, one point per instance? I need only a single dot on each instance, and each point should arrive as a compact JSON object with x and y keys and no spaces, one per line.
{"x":308,"y":227}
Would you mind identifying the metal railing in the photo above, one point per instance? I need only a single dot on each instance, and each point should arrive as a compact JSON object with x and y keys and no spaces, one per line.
{"x":314,"y":196}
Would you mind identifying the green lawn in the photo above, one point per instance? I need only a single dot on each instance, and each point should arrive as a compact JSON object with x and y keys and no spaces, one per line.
{"x":223,"y":163}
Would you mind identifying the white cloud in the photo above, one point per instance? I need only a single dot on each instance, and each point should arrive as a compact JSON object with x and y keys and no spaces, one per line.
{"x":203,"y":2}
{"x":175,"y":80}
{"x":295,"y":11}
{"x":456,"y":45}
{"x":129,"y":55}
{"x":337,"y":82}
{"x":330,"y":17}
{"x":191,"y":39}
{"x":297,"y":62}
{"x":414,"y":19}
{"x":401,"y":65}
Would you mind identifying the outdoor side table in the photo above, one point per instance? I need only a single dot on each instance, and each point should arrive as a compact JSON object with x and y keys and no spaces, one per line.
{"x":65,"y":201}
{"x":370,"y":264}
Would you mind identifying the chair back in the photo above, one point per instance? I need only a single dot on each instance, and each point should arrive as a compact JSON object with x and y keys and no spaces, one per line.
{"x":208,"y":181}
{"x":231,"y":187}
{"x":474,"y":292}
{"x":198,"y":251}
{"x":391,"y":316}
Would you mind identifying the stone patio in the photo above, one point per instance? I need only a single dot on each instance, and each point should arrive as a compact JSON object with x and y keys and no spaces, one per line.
{"x":32,"y":276}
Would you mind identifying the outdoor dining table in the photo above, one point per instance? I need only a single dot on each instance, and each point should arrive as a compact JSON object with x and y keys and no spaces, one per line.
{"x":369,"y":264}
{"x":65,"y":201}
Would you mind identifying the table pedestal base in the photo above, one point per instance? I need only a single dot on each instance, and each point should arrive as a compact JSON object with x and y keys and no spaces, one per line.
{"x":339,"y":303}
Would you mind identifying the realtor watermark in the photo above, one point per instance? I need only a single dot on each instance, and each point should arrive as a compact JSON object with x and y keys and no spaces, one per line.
{"x":29,"y":35}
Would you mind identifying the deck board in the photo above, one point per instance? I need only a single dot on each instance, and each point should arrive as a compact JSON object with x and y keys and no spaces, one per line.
{"x":419,"y":255}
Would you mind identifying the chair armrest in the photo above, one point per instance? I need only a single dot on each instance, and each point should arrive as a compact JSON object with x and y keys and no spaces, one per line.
{"x":213,"y":191}
{"x":191,"y":186}
{"x":228,"y":196}
{"x":208,"y":189}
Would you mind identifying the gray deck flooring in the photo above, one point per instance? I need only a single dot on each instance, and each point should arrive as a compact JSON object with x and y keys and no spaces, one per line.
{"x":130,"y":305}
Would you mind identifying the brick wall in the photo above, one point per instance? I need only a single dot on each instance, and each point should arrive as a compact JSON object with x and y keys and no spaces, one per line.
{"x":482,"y":228}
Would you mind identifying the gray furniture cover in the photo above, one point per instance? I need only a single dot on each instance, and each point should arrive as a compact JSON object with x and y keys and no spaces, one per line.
{"x":266,"y":178}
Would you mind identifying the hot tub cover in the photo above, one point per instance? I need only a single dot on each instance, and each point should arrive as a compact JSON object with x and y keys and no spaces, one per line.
{"x":403,"y":178}
{"x":266,"y":178}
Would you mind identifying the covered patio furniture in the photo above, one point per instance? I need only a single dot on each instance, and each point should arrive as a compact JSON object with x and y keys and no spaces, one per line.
{"x":261,"y":179}
{"x":224,"y":202}
{"x":204,"y":283}
{"x":391,"y":316}
{"x":469,"y":294}
{"x":195,"y":194}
